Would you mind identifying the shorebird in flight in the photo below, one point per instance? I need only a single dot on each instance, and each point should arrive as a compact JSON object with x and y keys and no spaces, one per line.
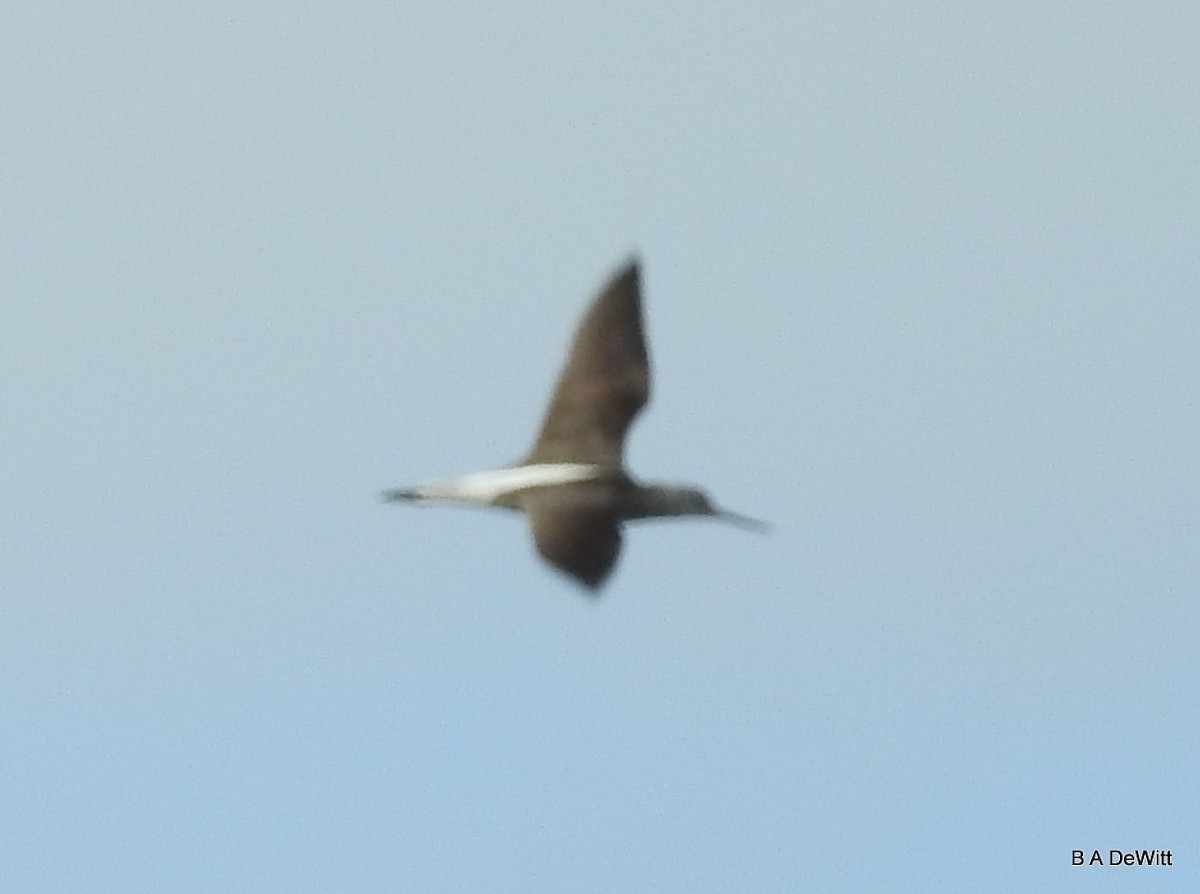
{"x":573,"y":485}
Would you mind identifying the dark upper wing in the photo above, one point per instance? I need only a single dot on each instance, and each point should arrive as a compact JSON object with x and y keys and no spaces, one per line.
{"x":604,"y":382}
{"x":576,"y":528}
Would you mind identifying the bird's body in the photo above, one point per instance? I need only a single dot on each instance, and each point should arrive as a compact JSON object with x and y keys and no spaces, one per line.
{"x":573,"y":485}
{"x":500,"y":487}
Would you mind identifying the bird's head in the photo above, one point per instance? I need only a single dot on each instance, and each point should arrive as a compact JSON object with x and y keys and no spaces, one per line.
{"x":667,"y":500}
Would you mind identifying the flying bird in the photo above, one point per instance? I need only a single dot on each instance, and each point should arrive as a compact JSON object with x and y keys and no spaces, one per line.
{"x":572,"y":485}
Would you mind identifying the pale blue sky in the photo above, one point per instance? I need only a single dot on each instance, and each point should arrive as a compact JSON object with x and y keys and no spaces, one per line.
{"x":921,"y":289}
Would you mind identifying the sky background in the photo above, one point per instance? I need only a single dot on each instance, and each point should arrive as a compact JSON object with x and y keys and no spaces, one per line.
{"x":921,"y":288}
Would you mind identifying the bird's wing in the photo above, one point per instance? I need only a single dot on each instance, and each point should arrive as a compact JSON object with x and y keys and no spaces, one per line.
{"x":603,"y":383}
{"x":576,"y":528}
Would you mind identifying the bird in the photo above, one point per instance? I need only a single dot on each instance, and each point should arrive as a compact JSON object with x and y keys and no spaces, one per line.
{"x":572,"y":485}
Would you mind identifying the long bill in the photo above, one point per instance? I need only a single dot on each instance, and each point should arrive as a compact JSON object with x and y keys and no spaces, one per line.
{"x":743,"y":521}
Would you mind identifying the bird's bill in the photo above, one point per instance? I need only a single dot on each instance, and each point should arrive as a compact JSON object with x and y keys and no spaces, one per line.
{"x":743,"y":521}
